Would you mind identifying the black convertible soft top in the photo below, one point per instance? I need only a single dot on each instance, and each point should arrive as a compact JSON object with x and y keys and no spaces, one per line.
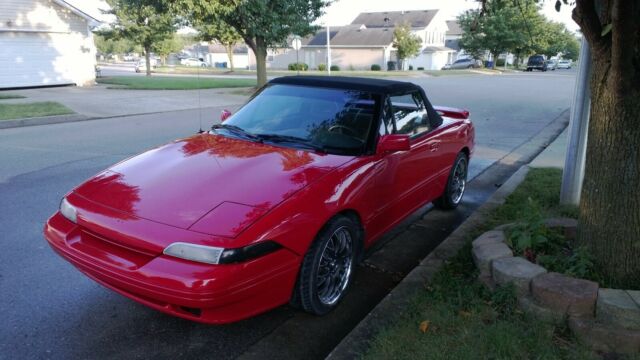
{"x":385,"y":87}
{"x":347,"y":82}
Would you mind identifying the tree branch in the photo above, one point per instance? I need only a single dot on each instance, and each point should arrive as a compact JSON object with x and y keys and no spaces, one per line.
{"x":586,"y":16}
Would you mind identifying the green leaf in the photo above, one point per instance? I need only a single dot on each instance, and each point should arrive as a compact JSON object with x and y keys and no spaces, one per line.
{"x":606,"y":29}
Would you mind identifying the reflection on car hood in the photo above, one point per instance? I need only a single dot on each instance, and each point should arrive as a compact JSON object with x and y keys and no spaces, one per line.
{"x":179,"y":183}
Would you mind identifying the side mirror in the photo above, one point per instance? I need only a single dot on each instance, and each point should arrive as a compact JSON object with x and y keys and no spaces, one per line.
{"x":393,"y":142}
{"x":225,"y":115}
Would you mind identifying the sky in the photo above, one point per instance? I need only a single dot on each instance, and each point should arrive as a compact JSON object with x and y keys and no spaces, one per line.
{"x":342,"y":12}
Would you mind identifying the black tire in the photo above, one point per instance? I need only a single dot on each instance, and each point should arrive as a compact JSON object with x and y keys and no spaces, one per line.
{"x":308,"y":293}
{"x":450,"y":199}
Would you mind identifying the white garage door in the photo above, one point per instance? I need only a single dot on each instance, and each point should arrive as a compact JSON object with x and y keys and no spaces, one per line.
{"x":35,"y":59}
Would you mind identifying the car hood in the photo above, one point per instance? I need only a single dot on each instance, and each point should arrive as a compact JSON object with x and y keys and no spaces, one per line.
{"x":207,"y":183}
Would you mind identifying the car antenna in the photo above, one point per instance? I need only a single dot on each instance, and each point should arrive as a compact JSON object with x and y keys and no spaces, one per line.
{"x":199,"y":103}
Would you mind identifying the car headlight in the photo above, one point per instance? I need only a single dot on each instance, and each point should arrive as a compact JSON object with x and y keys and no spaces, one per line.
{"x":68,"y":211}
{"x":217,"y":255}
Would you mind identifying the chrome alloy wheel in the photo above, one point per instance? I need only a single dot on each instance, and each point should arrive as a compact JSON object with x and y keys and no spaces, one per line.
{"x":335,"y":265}
{"x":459,"y":181}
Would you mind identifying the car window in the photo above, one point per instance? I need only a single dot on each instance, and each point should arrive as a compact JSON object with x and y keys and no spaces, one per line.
{"x":338,"y":119}
{"x":409,"y":114}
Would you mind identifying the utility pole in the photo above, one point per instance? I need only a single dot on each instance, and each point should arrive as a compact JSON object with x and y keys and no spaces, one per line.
{"x":328,"y":52}
{"x":573,"y":173}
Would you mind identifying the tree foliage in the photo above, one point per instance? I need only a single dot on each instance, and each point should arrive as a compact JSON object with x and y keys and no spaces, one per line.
{"x":144,"y":22}
{"x":406,"y":43}
{"x":110,"y":46}
{"x":214,"y":29}
{"x":262,"y":24}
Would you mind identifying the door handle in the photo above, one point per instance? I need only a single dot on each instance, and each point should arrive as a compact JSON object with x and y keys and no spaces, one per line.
{"x":434,"y":146}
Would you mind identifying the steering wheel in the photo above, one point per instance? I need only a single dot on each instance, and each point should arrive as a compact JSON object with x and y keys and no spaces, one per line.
{"x":344,"y":130}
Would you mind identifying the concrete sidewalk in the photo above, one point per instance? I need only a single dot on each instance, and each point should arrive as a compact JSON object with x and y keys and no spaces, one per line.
{"x":554,"y":155}
{"x":98,"y":101}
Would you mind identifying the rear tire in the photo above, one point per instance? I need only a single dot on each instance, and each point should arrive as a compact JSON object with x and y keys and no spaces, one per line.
{"x":328,"y":266}
{"x":456,"y":184}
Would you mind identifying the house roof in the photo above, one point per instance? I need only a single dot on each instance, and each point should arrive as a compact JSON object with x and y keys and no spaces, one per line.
{"x":454,"y":27}
{"x":354,"y":35}
{"x":237,"y":49}
{"x":90,"y":19}
{"x":320,"y":38}
{"x":430,"y":49}
{"x":417,"y":18}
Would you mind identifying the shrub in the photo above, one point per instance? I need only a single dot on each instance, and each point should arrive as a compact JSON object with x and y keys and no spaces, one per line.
{"x":335,"y":68}
{"x":322,"y":67}
{"x":410,"y":67}
{"x":375,"y":67}
{"x":298,"y":66}
{"x":500,"y":62}
{"x":420,"y":68}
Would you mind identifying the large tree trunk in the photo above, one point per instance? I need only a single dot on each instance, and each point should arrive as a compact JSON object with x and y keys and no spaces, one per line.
{"x":147,"y":59}
{"x":261,"y":61}
{"x":229,"y":49}
{"x":609,"y":221}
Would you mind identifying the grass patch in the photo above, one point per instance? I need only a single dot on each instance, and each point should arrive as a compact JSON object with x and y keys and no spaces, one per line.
{"x":10,"y":96}
{"x":465,"y":320}
{"x":172,"y":83}
{"x":37,"y":109}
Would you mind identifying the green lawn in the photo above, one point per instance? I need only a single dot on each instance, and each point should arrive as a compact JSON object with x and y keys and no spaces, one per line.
{"x":465,"y":320}
{"x":173,"y":83}
{"x":10,"y":96}
{"x":29,"y":110}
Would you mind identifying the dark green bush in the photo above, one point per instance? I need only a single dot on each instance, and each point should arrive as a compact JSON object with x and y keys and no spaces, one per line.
{"x":375,"y":67}
{"x":335,"y":68}
{"x":410,"y":67}
{"x":322,"y":67}
{"x":420,"y":68}
{"x":500,"y":62}
{"x":298,"y":66}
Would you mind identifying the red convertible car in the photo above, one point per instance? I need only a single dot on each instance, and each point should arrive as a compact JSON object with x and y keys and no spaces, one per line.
{"x":274,"y":205}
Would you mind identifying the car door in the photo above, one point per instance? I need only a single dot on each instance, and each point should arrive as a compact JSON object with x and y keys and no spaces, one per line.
{"x":405,"y":177}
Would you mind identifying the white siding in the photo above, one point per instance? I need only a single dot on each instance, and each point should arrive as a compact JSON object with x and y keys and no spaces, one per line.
{"x":42,"y":43}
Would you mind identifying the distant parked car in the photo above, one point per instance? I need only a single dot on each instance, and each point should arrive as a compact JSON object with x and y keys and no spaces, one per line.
{"x":463,"y":64}
{"x":537,"y":62}
{"x":564,"y":64}
{"x":193,"y":62}
{"x":552,"y":64}
{"x":141,"y":65}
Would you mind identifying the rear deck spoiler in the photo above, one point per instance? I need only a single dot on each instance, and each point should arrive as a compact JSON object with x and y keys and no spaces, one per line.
{"x":452,"y":112}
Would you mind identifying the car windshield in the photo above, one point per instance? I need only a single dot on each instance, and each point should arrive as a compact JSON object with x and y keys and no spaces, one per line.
{"x":335,"y":121}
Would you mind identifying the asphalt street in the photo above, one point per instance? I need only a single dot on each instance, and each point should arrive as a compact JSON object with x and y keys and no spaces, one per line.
{"x":50,"y":310}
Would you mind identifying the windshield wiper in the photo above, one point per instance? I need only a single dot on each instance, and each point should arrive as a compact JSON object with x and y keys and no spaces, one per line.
{"x":293,"y":140}
{"x":236,"y":130}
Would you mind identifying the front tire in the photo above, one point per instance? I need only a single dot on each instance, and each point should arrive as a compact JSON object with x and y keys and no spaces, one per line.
{"x":456,"y":184}
{"x":327,"y":267}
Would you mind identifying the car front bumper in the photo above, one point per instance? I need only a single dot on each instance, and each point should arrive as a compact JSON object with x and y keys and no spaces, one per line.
{"x":213,"y":294}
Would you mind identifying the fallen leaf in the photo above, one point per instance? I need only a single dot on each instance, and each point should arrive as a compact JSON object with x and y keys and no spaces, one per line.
{"x":424,"y":326}
{"x":464,"y":313}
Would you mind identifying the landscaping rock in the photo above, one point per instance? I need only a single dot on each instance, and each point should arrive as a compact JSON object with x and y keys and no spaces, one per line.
{"x":568,"y":226}
{"x":515,"y":270}
{"x":616,"y":307}
{"x":529,"y":306}
{"x":605,"y":337}
{"x":490,"y":237}
{"x":564,"y":294}
{"x":484,"y":254}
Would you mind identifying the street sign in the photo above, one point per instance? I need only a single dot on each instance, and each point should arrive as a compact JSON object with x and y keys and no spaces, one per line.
{"x":296,"y":43}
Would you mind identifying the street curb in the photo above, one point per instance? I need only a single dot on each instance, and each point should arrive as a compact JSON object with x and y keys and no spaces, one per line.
{"x":45,"y":120}
{"x":356,"y":343}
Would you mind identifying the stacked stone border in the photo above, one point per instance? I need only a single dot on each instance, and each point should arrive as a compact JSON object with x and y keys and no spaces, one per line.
{"x":604,"y":319}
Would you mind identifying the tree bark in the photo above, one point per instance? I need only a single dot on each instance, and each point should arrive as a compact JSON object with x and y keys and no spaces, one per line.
{"x":609,"y":222}
{"x":147,"y":59}
{"x":230,"y":55}
{"x":261,"y":61}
